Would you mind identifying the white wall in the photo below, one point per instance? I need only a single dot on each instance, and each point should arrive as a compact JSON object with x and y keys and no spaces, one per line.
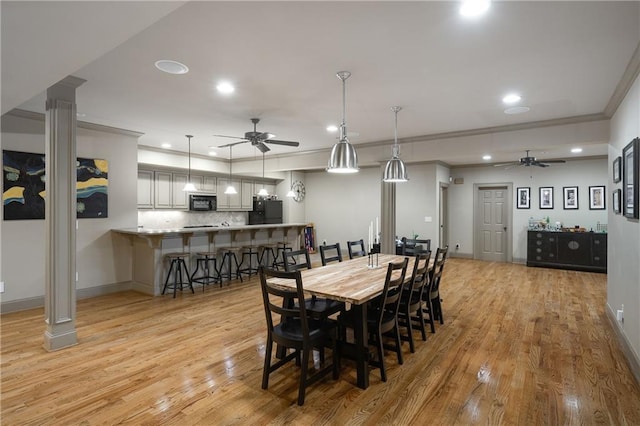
{"x":419,"y":198}
{"x":102,"y":258}
{"x":624,"y":234}
{"x":342,"y":206}
{"x":581,"y":173}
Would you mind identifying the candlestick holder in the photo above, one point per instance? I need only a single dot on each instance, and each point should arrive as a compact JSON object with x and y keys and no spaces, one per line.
{"x":372,"y":261}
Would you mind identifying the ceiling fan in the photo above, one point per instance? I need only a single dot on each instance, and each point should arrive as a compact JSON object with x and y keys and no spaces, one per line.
{"x":529,"y":161}
{"x":258,"y":139}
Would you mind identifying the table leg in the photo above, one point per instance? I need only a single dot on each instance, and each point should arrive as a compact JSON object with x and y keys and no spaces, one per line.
{"x":362,"y":344}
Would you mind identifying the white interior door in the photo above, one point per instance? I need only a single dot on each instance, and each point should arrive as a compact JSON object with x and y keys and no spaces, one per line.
{"x":493,"y":230}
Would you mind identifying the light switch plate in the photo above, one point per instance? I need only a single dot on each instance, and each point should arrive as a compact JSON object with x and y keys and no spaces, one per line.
{"x":1,"y":286}
{"x":428,"y":219}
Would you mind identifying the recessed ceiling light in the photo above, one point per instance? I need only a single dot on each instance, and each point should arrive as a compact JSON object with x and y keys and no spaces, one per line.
{"x":213,"y":153}
{"x":576,"y":150}
{"x":80,"y":115}
{"x":516,"y":110}
{"x":225,"y":87}
{"x":474,"y":8}
{"x":332,"y":128}
{"x":511,"y":98}
{"x":486,"y":157}
{"x":172,"y":67}
{"x":166,"y":145}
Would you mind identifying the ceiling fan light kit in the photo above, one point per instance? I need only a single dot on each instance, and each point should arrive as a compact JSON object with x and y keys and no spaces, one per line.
{"x":189,"y":186}
{"x":395,"y":170}
{"x":343,"y":158}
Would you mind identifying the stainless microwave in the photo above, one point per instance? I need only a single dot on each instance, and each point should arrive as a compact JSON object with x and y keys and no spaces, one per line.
{"x":202,"y":202}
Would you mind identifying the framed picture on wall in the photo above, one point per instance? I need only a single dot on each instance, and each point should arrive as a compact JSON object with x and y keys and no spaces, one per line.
{"x":570,"y":198}
{"x":617,"y":195}
{"x":596,"y":198}
{"x":523,"y":197}
{"x":546,"y":197}
{"x":630,"y":159}
{"x":617,"y":170}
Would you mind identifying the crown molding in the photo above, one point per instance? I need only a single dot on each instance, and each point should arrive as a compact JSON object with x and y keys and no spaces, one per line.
{"x":37,"y":116}
{"x":624,"y":85}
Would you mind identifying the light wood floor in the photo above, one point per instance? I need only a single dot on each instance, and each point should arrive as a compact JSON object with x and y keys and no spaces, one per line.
{"x":520,"y":345}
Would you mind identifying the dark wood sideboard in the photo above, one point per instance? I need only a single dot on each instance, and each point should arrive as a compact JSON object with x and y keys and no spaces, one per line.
{"x":583,"y":251}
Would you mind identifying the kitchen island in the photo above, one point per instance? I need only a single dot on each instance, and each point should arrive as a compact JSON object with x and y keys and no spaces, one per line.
{"x":150,"y":246}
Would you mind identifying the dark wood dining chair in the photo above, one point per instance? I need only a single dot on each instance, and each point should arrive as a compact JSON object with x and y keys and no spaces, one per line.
{"x":327,"y":254}
{"x":294,"y":331}
{"x":318,"y":307}
{"x":410,"y":310}
{"x":411,"y":247}
{"x":433,"y":296}
{"x":382,"y":316}
{"x":356,"y":248}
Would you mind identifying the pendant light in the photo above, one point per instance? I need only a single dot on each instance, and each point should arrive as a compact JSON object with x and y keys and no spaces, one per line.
{"x":395,"y":171}
{"x":189,"y":186}
{"x":230,"y":189}
{"x":343,"y":157}
{"x":263,"y":192}
{"x":291,"y":194}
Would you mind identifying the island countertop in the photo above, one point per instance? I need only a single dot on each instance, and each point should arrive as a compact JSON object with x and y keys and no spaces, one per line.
{"x":205,"y":229}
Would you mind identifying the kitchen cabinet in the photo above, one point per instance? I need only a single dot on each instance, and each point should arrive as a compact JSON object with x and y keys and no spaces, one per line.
{"x":205,"y":184}
{"x":258,"y":185}
{"x":145,"y":189}
{"x":584,"y":251}
{"x":242,"y":201}
{"x":246,"y":199}
{"x":168,"y":193}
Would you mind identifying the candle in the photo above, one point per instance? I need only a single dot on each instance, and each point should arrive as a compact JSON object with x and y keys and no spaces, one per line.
{"x":377,"y":230}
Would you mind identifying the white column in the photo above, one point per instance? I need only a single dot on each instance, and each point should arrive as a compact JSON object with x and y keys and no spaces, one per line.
{"x":60,"y":214}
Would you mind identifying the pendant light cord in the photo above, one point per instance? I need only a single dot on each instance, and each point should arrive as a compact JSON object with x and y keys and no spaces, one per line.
{"x":230,"y":164}
{"x":189,"y":174}
{"x":344,"y":75}
{"x":396,"y":147}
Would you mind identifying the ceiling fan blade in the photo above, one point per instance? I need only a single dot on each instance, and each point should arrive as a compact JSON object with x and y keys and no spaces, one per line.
{"x":507,"y":164}
{"x":553,"y":161}
{"x":262,"y":147}
{"x":225,"y":136}
{"x":286,"y":143}
{"x":231,"y":144}
{"x":541,"y":164}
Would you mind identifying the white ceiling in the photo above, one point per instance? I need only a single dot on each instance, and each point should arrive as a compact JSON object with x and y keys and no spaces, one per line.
{"x":448,"y":73}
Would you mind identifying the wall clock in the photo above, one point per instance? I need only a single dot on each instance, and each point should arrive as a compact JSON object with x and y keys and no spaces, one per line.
{"x":298,"y":190}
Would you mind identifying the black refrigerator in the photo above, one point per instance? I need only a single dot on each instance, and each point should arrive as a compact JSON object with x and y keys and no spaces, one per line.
{"x":265,"y":212}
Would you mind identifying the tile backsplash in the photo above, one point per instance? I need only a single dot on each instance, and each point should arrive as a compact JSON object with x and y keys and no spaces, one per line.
{"x":161,"y":219}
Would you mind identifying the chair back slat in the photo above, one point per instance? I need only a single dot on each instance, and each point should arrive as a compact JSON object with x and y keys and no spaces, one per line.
{"x":297,"y":263}
{"x":387,"y":304}
{"x":356,"y":248}
{"x":283,"y":301}
{"x":326,"y":253}
{"x":436,"y":271}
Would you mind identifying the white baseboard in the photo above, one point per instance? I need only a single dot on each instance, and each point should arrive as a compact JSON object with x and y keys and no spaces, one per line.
{"x":632,"y":357}
{"x":83,"y":293}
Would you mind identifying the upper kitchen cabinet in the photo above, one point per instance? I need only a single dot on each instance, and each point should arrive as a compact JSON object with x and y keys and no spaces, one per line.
{"x":242,"y":201}
{"x":145,"y":189}
{"x":205,"y":184}
{"x":168,"y":192}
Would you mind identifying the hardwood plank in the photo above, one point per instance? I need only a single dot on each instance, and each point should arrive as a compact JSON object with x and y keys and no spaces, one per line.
{"x":519,"y":346}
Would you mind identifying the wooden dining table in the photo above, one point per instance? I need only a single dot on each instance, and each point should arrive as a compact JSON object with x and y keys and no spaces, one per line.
{"x":355,"y":282}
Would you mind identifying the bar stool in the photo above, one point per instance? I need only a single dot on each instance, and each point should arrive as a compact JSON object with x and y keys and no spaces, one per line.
{"x":281,"y":248}
{"x":178,"y":262}
{"x":203,"y":260}
{"x":249,"y":252}
{"x":229,"y":257}
{"x":268,"y":250}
